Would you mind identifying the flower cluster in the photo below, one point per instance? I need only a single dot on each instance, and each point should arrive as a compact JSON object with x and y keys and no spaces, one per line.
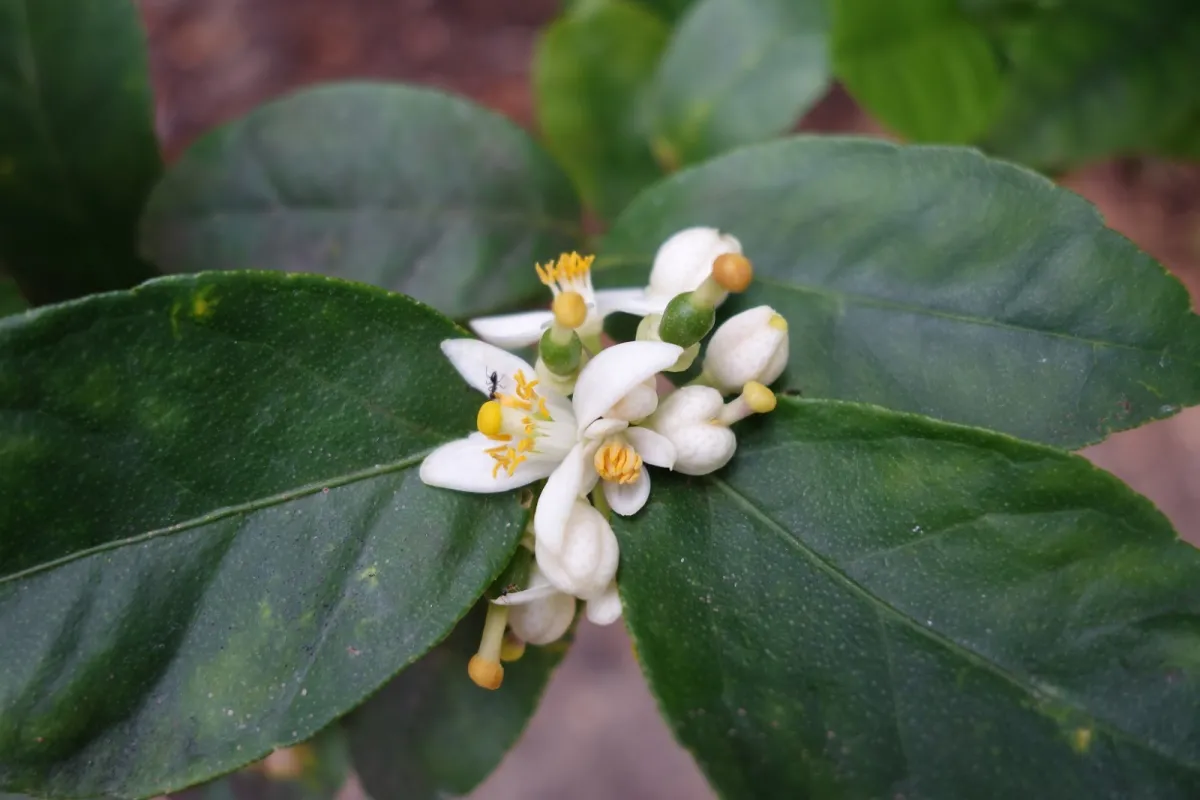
{"x":588,"y":420}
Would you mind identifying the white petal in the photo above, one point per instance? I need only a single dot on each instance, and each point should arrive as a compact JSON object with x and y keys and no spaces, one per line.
{"x":512,"y":330}
{"x":604,"y":427}
{"x":613,"y":372}
{"x":654,"y":448}
{"x":627,"y":499}
{"x":526,"y":596}
{"x":630,"y":301}
{"x":545,"y":618}
{"x":476,"y":361}
{"x":638,"y":404}
{"x":463,"y":465}
{"x":558,"y":497}
{"x":587,"y":561}
{"x":605,"y":609}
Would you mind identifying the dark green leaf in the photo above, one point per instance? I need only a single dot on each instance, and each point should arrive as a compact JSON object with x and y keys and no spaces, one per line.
{"x":214,"y":540}
{"x":870,"y":604}
{"x":592,"y":73}
{"x":408,"y":189}
{"x":922,"y":66}
{"x":1102,"y":78}
{"x":737,"y":72}
{"x":432,"y":733}
{"x":936,"y":280}
{"x":77,"y":147}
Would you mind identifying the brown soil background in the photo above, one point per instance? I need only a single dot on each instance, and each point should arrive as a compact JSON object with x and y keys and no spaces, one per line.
{"x":597,"y":734}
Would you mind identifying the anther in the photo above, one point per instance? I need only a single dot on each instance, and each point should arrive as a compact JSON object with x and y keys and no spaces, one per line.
{"x":618,"y":462}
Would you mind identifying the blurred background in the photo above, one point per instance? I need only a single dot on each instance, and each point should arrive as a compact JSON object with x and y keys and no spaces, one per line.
{"x":597,"y":734}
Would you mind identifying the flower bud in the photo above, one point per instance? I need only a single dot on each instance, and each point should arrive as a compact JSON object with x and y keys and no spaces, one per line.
{"x":685,"y":259}
{"x":605,"y":609}
{"x":686,"y":417}
{"x":586,"y":561}
{"x":546,"y":619}
{"x":750,"y":346}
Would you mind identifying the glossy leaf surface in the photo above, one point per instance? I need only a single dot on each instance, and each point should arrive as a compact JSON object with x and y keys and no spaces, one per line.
{"x":871,"y":604}
{"x":737,"y":72}
{"x":592,"y":72}
{"x":938,"y":281}
{"x":432,"y":733}
{"x":408,"y":189}
{"x":214,"y":540}
{"x":77,"y":149}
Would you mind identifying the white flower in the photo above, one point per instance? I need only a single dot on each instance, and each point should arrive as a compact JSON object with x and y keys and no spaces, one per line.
{"x":683,"y":262}
{"x":609,"y":448}
{"x":750,"y":346}
{"x":696,"y":421}
{"x":572,"y":273}
{"x":541,"y":613}
{"x":584,"y":562}
{"x":528,"y":432}
{"x":688,"y":417}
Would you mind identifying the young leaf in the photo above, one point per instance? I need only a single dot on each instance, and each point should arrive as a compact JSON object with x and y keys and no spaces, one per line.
{"x":922,"y":66}
{"x":431,"y":733}
{"x":215,"y":540}
{"x":431,"y":195}
{"x":873,"y":604}
{"x":77,"y":147}
{"x":935,"y":280}
{"x":592,"y":71}
{"x":737,"y":72}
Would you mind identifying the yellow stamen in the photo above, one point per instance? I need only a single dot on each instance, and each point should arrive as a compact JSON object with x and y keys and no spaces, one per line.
{"x":508,"y":458}
{"x":569,"y":309}
{"x":570,"y":266}
{"x":618,"y":462}
{"x":778,"y":322}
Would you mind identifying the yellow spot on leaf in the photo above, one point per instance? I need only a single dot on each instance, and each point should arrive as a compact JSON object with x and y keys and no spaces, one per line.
{"x":369,"y":576}
{"x":203,"y":303}
{"x":1081,"y":739}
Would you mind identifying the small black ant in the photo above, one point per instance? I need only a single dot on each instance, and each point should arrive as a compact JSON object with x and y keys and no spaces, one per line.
{"x":493,"y":383}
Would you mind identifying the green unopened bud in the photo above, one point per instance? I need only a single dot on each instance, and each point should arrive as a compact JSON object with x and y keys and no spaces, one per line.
{"x":687,"y":319}
{"x":561,"y":350}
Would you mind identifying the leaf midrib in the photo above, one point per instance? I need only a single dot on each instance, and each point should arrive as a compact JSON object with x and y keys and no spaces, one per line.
{"x":882,"y":608}
{"x":924,"y":311}
{"x":225,"y":512}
